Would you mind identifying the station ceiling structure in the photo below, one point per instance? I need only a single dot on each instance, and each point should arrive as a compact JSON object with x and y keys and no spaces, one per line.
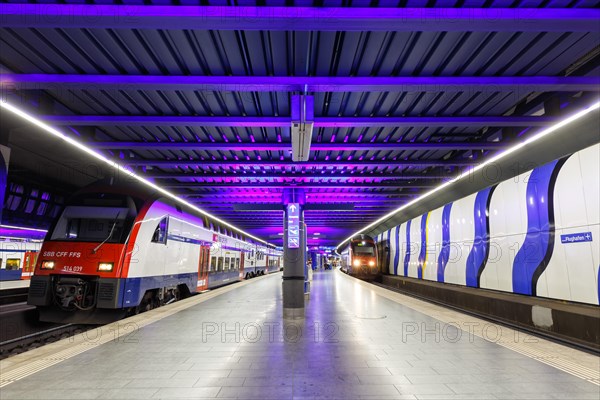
{"x":197,"y":95}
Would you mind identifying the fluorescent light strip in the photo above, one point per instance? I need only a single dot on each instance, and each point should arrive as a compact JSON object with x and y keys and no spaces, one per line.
{"x":115,"y":165}
{"x":23,"y":228}
{"x":14,"y":239}
{"x":496,"y":158}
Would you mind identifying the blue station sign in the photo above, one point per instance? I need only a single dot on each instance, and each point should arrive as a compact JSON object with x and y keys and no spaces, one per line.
{"x":576,"y":237}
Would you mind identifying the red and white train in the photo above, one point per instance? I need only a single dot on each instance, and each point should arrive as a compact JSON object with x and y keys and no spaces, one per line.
{"x":359,"y":258}
{"x":117,"y":250}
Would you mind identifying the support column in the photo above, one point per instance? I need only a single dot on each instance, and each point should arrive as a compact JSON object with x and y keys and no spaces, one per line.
{"x":4,"y":154}
{"x":294,"y":253}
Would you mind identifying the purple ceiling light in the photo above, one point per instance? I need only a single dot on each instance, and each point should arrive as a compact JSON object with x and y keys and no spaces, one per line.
{"x":310,"y":164}
{"x":300,"y":18}
{"x":314,"y":84}
{"x":319,"y":122}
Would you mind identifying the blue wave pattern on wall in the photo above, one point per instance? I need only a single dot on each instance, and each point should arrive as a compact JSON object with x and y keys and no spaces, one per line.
{"x":445,"y":251}
{"x":397,"y":255}
{"x":389,"y":252}
{"x":481,"y":243}
{"x":531,"y":259}
{"x":407,"y":255}
{"x":423,"y":253}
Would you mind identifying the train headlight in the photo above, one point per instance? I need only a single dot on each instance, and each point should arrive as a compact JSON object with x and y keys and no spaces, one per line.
{"x":356,"y":263}
{"x":47,"y":264}
{"x":372,"y":263}
{"x":105,"y":266}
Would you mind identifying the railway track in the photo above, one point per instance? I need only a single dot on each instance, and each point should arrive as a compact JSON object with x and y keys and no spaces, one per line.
{"x":11,"y":296}
{"x":534,"y":332}
{"x":40,"y":338}
{"x":21,"y":330}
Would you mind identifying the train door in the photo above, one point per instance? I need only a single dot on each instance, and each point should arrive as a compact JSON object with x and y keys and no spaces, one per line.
{"x":241,"y":264}
{"x":266,"y":264}
{"x":203,"y":262}
{"x":29,"y":260}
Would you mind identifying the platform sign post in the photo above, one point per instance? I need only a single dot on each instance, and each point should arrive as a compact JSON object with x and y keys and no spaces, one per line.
{"x":293,"y":216}
{"x":4,"y":155}
{"x":294,"y":253}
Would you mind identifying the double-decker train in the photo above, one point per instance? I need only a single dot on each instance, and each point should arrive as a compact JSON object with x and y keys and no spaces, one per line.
{"x":359,"y":258}
{"x":122,"y":249}
{"x":17,"y":258}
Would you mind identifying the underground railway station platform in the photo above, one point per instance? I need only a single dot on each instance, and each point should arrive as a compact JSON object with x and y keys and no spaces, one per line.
{"x":356,"y":341}
{"x":300,"y":199}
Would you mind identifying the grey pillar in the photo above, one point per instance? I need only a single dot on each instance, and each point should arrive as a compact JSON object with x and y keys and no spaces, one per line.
{"x":4,"y":154}
{"x":294,"y":254}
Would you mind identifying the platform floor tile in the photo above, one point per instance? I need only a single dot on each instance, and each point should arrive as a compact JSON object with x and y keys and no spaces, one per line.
{"x":353,"y":344}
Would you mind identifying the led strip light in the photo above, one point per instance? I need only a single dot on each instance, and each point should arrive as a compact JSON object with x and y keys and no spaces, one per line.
{"x":120,"y":168}
{"x":470,"y":171}
{"x":23,"y":228}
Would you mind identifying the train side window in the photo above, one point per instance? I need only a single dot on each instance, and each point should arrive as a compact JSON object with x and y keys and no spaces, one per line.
{"x":213,"y":264}
{"x":0,"y":263}
{"x":220,"y":264}
{"x":31,"y":201}
{"x":160,"y":233}
{"x":237,"y":263}
{"x":15,"y":197}
{"x":226,"y":263}
{"x":13,"y":263}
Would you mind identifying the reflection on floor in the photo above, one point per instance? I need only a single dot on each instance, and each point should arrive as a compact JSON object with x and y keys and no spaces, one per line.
{"x":353,"y":344}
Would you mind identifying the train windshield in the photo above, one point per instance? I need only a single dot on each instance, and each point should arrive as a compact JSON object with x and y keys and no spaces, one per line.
{"x":95,"y":218}
{"x":363,"y":249}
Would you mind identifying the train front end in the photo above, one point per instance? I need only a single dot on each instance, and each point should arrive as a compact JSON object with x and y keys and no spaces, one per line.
{"x":363,"y":258}
{"x":77,"y":274}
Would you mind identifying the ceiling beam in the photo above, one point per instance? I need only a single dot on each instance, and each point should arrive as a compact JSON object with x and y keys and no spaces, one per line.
{"x":261,"y":217}
{"x":363,"y":201}
{"x":236,"y":146}
{"x":307,"y":164}
{"x":247,"y":213}
{"x":258,"y":174}
{"x":258,"y":194}
{"x":285,"y":122}
{"x":299,"y":18}
{"x":279,"y":208}
{"x":310,"y":84}
{"x":288,"y":185}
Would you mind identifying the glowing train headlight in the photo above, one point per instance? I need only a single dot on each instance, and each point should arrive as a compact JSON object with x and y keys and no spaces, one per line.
{"x":47,"y":264}
{"x":105,"y":266}
{"x":356,"y":263}
{"x":372,"y":263}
